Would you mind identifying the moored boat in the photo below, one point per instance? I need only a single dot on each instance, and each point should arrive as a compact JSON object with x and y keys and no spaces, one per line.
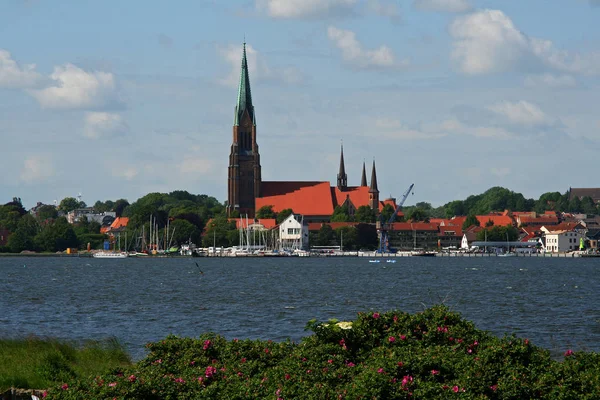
{"x":110,"y":254}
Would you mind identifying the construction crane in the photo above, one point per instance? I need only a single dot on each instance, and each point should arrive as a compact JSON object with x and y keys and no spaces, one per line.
{"x":384,"y":226}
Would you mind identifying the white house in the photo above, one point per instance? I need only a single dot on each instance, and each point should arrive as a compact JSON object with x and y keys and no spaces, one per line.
{"x":293,"y":233}
{"x":562,"y":241}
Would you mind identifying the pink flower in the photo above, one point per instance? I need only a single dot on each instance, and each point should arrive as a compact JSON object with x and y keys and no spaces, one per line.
{"x":402,"y":337}
{"x":392,"y":339}
{"x":240,"y":373}
{"x":350,"y":364}
{"x":44,"y":394}
{"x":400,"y":363}
{"x":243,"y":360}
{"x":207,"y":344}
{"x":267,"y":351}
{"x":494,"y":387}
{"x":192,"y":362}
{"x":380,"y":371}
{"x":568,"y":353}
{"x":435,"y":372}
{"x":330,"y":361}
{"x":376,"y":315}
{"x":287,"y":377}
{"x":132,"y":378}
{"x":406,"y":380}
{"x":455,"y":389}
{"x":64,"y":386}
{"x":200,"y":379}
{"x":210,"y":371}
{"x":112,"y":384}
{"x":179,"y":380}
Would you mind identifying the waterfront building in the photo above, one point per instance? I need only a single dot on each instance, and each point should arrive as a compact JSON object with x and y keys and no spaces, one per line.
{"x":293,"y":233}
{"x":314,"y":200}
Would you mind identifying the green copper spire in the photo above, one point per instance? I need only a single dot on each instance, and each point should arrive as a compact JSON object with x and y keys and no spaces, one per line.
{"x":244,"y":100}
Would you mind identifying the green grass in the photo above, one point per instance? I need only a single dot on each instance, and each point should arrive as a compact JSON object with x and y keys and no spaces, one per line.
{"x":36,"y":363}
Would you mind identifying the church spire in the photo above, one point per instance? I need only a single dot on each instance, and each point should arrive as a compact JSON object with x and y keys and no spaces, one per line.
{"x":373,"y":191}
{"x":373,"y":187}
{"x":244,"y":100}
{"x":342,"y":178}
{"x":363,"y":179}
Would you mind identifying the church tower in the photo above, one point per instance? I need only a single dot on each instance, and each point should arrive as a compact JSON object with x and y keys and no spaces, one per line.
{"x":373,"y":191}
{"x":342,"y":178}
{"x":363,"y":178}
{"x":244,"y":178}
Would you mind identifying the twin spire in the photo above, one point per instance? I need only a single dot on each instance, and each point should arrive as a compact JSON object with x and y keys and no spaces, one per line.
{"x":342,"y":178}
{"x":244,"y":100}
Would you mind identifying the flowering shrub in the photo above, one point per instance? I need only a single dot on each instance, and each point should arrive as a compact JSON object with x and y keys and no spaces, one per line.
{"x":430,"y":355}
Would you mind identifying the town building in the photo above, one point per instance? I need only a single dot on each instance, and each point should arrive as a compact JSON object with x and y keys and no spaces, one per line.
{"x":314,"y":200}
{"x":293,"y":233}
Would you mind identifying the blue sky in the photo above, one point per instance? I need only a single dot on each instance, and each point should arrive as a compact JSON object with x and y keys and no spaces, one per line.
{"x":116,"y":99}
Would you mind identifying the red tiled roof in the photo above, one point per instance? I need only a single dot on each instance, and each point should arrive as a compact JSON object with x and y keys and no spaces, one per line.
{"x":119,"y":222}
{"x":306,"y":198}
{"x":564,"y":226}
{"x":446,"y":230}
{"x":498,"y":220}
{"x":549,"y":219}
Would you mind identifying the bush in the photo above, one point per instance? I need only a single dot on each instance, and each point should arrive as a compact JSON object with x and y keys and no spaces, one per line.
{"x":430,"y":355}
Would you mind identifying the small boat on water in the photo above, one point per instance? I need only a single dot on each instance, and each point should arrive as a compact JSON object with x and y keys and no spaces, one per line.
{"x":373,"y":261}
{"x":390,"y":261}
{"x":110,"y":254}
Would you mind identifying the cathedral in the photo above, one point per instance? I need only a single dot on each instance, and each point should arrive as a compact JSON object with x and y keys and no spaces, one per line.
{"x":314,"y":200}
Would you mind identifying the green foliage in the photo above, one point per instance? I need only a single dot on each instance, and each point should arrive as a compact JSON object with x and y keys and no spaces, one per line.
{"x":283,"y":214}
{"x":325,"y":236}
{"x":341,"y":214}
{"x":470,"y":221}
{"x":349,"y":235}
{"x":498,"y":234}
{"x":418,"y":215}
{"x":47,"y":212}
{"x":220,"y":232}
{"x":35,"y":363}
{"x":69,"y":204}
{"x":365,"y":214}
{"x":265,"y":212}
{"x":435,"y":354}
{"x":55,"y":236}
{"x":387,"y":212}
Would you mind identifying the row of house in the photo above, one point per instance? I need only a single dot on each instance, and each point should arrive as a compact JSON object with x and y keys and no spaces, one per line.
{"x":551,"y":231}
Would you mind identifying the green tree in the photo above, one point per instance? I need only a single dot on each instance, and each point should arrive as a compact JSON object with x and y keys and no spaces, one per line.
{"x":470,"y":221}
{"x":386,"y":213}
{"x":220,"y":232}
{"x":265,"y":212}
{"x":418,"y":215}
{"x":120,"y":206}
{"x":184,"y":231}
{"x":347,"y":236}
{"x":340,"y":214}
{"x":57,"y":235}
{"x":47,"y":212}
{"x":365,"y":214}
{"x":283,"y":214}
{"x":498,"y":233}
{"x":69,"y":204}
{"x":23,"y":237}
{"x":326,"y":236}
{"x":455,"y":208}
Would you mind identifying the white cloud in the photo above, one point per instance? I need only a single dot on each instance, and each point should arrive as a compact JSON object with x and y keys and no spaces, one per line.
{"x":36,"y":168}
{"x":305,"y":8}
{"x":454,"y":6}
{"x":75,"y":88}
{"x":550,"y":80}
{"x":103,"y":124}
{"x":521,"y":113}
{"x":354,"y":53}
{"x":258,"y":69}
{"x":12,"y":75}
{"x":487,"y":41}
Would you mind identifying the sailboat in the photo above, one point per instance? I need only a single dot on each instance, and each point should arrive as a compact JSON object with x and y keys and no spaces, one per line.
{"x":508,"y":253}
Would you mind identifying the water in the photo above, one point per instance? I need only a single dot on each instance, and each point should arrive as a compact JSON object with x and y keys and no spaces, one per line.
{"x":553,"y":302}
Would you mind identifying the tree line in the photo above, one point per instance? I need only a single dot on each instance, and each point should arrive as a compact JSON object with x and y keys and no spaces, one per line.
{"x":186,"y":215}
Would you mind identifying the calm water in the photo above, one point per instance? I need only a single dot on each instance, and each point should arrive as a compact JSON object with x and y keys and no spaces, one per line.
{"x":553,"y":302}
